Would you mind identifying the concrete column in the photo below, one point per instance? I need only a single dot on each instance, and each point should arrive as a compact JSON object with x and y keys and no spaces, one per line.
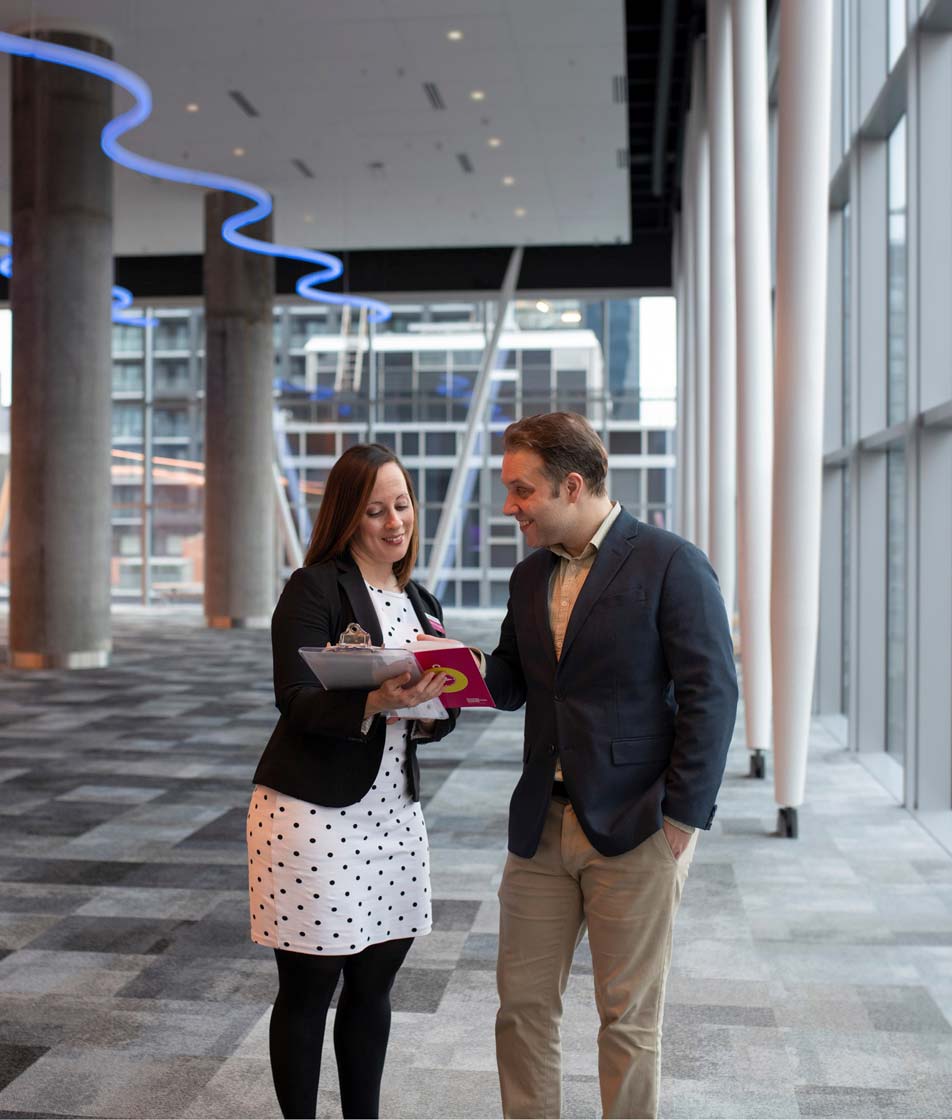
{"x":806,"y":34}
{"x":754,"y":363}
{"x":61,"y":209}
{"x":702,"y":278}
{"x":722,"y":528}
{"x":239,"y":371}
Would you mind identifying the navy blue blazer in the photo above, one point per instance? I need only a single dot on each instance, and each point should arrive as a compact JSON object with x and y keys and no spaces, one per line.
{"x":639,"y":708}
{"x":317,"y":751}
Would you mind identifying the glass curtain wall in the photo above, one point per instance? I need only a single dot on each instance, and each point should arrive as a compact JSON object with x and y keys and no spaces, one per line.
{"x":846,"y":426}
{"x":896,"y":378}
{"x":896,"y":603}
{"x":891,"y":437}
{"x":896,"y":275}
{"x":157,"y":427}
{"x":895,"y":30}
{"x":612,"y":360}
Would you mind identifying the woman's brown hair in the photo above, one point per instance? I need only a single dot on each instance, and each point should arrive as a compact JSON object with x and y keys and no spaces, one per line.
{"x":346,"y":496}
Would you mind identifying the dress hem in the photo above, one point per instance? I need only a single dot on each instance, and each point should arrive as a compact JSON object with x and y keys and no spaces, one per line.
{"x":291,"y":948}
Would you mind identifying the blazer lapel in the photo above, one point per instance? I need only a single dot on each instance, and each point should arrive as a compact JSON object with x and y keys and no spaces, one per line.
{"x":421,"y":612}
{"x":353,"y":586}
{"x":541,"y":607}
{"x":615,"y":550}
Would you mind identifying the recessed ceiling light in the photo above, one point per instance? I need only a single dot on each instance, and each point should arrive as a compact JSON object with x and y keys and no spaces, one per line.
{"x":508,"y":180}
{"x":237,"y":151}
{"x":477,"y":95}
{"x":571,"y":316}
{"x":454,"y":36}
{"x":542,"y":306}
{"x":309,"y":218}
{"x":494,"y":142}
{"x":191,"y":107}
{"x":520,"y":211}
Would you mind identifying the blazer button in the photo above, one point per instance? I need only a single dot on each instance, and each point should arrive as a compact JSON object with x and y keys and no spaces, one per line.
{"x":560,"y":696}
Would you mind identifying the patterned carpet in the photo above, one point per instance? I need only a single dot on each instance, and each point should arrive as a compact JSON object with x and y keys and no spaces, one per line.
{"x":810,"y":978}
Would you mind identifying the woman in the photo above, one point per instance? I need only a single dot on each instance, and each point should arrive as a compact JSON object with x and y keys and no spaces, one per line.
{"x":337,"y":848}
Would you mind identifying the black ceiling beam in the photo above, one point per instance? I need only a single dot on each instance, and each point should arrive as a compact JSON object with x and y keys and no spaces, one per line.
{"x":390,"y":273}
{"x":663,"y":98}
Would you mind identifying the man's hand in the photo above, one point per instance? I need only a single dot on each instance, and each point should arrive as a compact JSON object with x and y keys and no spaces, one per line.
{"x":677,"y":839}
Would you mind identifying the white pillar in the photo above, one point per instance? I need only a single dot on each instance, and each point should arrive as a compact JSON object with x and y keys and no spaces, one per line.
{"x":677,"y":284}
{"x":722,"y":527}
{"x":754,"y":363}
{"x":687,"y":389}
{"x":702,"y":279}
{"x":806,"y":34}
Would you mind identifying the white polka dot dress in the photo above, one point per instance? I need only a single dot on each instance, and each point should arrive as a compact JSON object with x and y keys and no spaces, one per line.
{"x":331,"y":881}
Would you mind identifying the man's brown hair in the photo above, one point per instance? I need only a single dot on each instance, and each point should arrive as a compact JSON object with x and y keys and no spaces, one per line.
{"x":565,"y":442}
{"x":346,"y":496}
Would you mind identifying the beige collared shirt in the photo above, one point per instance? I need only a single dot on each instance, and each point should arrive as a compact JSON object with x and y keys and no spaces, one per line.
{"x":569,"y":576}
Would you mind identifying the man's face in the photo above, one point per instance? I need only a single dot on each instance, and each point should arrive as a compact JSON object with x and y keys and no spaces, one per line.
{"x":543,"y":518}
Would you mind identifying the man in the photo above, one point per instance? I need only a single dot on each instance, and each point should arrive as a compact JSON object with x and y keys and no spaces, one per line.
{"x":617,"y":640}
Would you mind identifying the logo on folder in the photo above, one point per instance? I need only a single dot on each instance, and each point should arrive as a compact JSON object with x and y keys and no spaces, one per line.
{"x":454,"y":680}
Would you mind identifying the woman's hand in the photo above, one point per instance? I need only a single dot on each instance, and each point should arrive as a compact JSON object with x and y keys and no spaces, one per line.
{"x":397,"y":692}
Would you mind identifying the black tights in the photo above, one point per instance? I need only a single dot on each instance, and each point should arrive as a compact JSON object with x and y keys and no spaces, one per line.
{"x":361,"y":1026}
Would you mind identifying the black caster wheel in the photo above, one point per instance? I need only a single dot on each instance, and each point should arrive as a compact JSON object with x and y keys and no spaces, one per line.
{"x":787,"y":825}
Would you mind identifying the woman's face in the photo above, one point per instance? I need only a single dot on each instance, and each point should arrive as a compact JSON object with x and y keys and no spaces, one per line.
{"x":383,"y":535}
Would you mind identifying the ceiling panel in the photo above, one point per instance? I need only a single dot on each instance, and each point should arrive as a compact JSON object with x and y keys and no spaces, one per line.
{"x":339,"y":84}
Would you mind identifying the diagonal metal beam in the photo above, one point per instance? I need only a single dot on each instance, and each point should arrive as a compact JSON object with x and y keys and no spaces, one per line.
{"x":474,"y":423}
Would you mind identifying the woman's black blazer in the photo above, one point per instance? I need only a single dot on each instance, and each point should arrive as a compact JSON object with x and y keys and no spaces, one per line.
{"x":317,"y":752}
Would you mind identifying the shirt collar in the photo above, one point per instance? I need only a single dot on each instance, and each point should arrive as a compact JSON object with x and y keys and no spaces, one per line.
{"x":598,"y":537}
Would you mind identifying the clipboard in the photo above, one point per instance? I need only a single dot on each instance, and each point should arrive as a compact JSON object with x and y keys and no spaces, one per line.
{"x":358,"y":666}
{"x":355,"y":663}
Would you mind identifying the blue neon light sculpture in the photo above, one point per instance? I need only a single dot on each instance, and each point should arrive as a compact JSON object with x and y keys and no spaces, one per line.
{"x":330,"y":266}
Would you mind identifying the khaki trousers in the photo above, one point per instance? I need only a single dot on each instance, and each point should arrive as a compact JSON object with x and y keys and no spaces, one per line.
{"x":628,"y":903}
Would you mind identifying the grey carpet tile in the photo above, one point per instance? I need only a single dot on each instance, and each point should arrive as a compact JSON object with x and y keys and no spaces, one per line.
{"x":479,"y":951}
{"x":78,"y":871}
{"x":9,"y":1114}
{"x":453,"y":914}
{"x":81,"y":934}
{"x":123,"y":794}
{"x":679,"y":1015}
{"x":190,"y":876}
{"x":54,"y":974}
{"x":19,"y":930}
{"x":42,"y":898}
{"x":105,"y":1083}
{"x":419,"y":989}
{"x":15,"y":1059}
{"x":224,"y":937}
{"x":229,"y":825}
{"x":825,"y":1100}
{"x":810,"y":978}
{"x":211,"y":980}
{"x":151,"y":902}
